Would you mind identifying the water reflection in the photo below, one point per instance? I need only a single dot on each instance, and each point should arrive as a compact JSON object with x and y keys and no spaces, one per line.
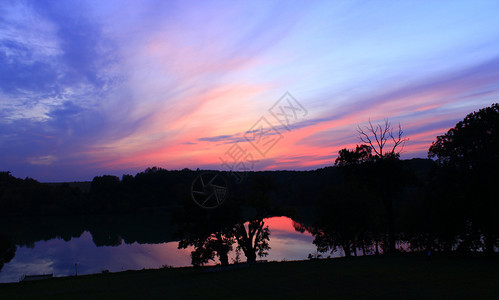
{"x":58,"y":256}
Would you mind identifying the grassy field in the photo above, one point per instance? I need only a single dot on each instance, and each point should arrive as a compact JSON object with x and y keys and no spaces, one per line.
{"x":373,"y":277}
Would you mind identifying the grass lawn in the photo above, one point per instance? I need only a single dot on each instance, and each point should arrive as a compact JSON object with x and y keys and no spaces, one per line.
{"x":374,"y":277}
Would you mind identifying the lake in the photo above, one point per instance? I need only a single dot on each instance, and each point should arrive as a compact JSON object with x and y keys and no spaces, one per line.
{"x":59,"y":256}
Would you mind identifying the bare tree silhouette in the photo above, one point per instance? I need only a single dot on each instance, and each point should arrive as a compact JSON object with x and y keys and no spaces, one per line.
{"x":377,"y":137}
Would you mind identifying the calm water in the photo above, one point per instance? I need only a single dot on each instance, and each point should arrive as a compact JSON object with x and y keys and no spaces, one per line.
{"x":59,"y":257}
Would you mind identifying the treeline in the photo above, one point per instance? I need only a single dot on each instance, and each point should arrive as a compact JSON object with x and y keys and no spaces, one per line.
{"x":388,"y":206}
{"x":148,"y":190}
{"x":28,"y":197}
{"x":381,"y":205}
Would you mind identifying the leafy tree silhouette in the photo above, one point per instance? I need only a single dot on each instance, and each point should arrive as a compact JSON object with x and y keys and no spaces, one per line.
{"x":210,"y":232}
{"x":361,"y":154}
{"x":252,"y":238}
{"x":209,"y":246}
{"x":471,"y":150}
{"x":241,"y":220}
{"x":344,"y":218}
{"x":473,"y":142}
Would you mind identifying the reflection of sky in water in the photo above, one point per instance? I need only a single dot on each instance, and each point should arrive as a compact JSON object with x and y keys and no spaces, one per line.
{"x":59,"y":257}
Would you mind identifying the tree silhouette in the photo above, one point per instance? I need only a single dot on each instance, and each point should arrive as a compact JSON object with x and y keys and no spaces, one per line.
{"x":213,"y":233}
{"x":361,"y":154}
{"x":210,"y":232}
{"x":253,"y":236}
{"x":207,"y":247}
{"x":377,"y":137}
{"x":473,"y":142}
{"x":253,"y":239}
{"x":344,"y":218}
{"x":471,"y":150}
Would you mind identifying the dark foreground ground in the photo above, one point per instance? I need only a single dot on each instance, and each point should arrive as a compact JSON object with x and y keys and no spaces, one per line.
{"x":372,"y":277}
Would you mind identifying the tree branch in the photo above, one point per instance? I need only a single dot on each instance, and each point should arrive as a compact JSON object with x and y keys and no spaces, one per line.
{"x":364,"y":136}
{"x":379,"y":135}
{"x":398,"y":141}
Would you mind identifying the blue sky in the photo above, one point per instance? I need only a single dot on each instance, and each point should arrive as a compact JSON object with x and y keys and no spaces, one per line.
{"x":111,"y":87}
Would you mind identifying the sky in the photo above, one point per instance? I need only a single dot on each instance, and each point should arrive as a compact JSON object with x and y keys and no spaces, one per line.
{"x":112,"y":87}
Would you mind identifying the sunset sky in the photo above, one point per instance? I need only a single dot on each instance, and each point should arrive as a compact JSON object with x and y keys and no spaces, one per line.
{"x":112,"y":87}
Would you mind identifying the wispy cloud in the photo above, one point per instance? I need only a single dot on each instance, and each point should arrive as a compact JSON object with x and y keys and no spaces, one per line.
{"x":46,"y":160}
